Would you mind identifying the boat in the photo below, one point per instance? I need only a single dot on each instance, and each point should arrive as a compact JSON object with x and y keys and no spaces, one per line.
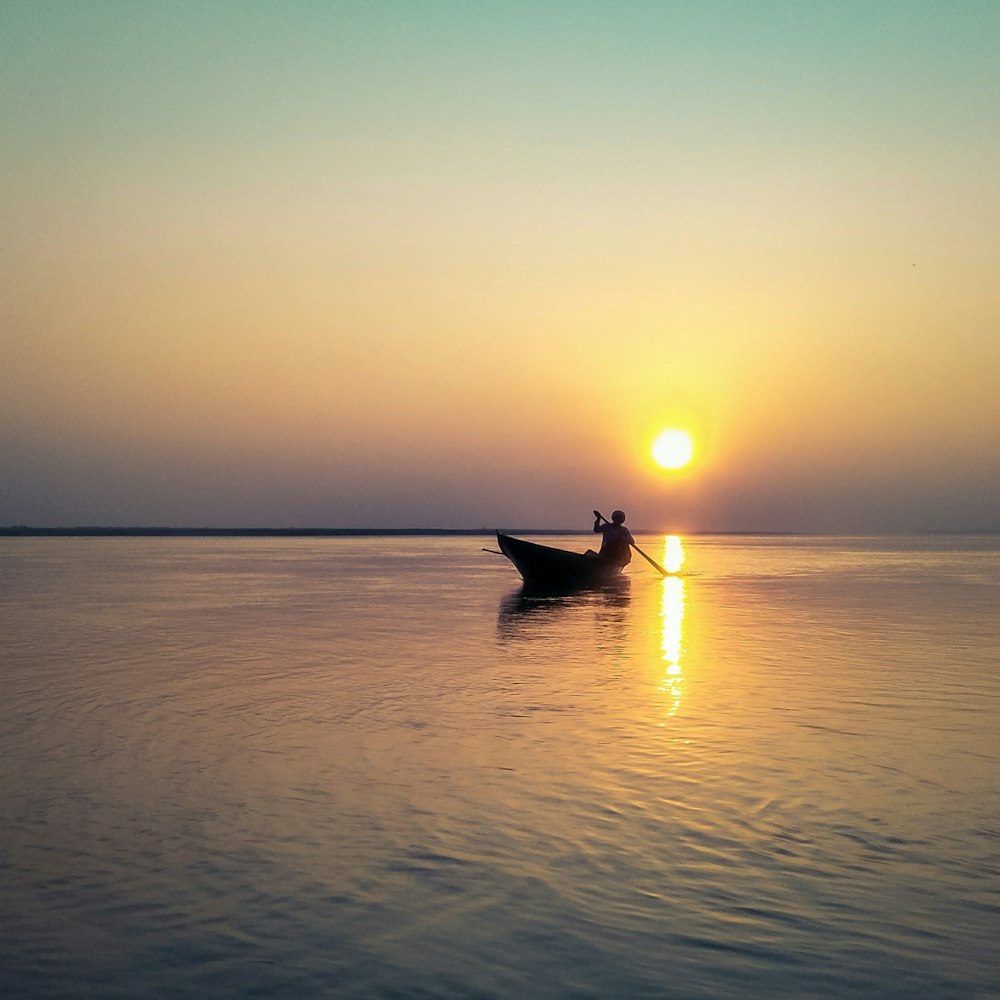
{"x":543,"y":567}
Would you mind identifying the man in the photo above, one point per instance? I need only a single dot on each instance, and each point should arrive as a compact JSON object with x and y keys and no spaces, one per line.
{"x":618,"y":540}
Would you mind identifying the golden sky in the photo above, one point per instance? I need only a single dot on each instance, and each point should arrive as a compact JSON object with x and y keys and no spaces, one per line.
{"x":441,"y":264}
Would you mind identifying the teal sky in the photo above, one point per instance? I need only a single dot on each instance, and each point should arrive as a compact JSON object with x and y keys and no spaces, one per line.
{"x":456,"y":264}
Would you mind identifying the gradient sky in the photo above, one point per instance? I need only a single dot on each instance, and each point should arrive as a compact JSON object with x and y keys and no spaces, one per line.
{"x":455,"y":264}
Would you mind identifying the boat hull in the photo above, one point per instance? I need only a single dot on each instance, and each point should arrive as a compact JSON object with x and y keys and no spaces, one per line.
{"x":543,"y":567}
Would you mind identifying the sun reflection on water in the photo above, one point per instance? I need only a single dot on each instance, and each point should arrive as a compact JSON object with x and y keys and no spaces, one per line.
{"x":672,"y":633}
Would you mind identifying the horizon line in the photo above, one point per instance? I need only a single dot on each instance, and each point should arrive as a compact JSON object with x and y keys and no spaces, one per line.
{"x":155,"y":531}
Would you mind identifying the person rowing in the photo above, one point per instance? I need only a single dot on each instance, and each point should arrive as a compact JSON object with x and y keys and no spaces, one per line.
{"x":617,"y":541}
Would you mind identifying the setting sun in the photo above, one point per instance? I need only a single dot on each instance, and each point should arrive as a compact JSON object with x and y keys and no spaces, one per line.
{"x":673,"y":449}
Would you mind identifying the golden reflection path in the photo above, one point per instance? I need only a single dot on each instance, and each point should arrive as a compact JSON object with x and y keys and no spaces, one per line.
{"x":672,"y":619}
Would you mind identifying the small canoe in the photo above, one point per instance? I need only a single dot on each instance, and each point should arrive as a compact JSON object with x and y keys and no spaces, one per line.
{"x":544,"y":567}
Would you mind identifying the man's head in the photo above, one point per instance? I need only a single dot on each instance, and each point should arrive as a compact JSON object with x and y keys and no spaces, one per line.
{"x":618,"y":517}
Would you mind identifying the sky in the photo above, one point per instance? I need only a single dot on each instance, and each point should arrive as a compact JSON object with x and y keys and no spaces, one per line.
{"x":441,"y":264}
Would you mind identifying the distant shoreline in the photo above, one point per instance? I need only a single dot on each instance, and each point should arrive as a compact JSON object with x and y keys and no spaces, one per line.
{"x":29,"y":531}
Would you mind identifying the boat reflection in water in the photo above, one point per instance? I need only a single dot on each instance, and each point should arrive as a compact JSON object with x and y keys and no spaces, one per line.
{"x":671,"y":625}
{"x":532,"y":611}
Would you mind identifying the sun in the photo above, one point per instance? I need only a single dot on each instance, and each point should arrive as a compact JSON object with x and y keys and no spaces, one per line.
{"x":673,"y":449}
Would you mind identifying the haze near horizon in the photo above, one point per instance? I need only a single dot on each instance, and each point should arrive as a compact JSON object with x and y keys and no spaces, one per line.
{"x":448,"y":265}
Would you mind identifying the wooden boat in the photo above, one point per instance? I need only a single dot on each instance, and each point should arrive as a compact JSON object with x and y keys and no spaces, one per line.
{"x":545,"y":568}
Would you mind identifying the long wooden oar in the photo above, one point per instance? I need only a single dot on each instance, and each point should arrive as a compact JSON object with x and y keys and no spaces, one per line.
{"x":652,"y":562}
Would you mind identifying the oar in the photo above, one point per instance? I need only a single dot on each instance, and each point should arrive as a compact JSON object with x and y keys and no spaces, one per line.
{"x":652,"y":562}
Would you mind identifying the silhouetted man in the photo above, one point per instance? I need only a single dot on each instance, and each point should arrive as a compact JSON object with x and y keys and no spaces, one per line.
{"x":618,"y":540}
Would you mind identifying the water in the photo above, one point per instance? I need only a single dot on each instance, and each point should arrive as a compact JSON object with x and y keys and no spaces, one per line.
{"x":371,"y":768}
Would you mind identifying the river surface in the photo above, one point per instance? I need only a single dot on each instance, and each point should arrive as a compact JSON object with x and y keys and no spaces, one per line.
{"x":372,"y":768}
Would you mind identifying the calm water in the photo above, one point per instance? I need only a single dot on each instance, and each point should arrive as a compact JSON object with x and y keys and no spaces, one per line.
{"x":354,"y":768}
